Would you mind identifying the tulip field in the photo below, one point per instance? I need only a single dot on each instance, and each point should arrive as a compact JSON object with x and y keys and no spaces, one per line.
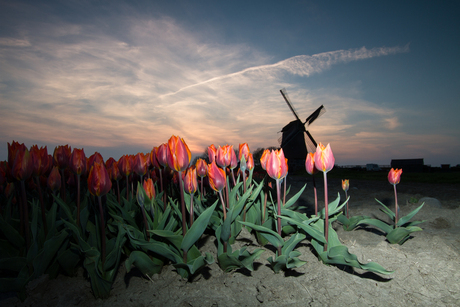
{"x":65,"y":211}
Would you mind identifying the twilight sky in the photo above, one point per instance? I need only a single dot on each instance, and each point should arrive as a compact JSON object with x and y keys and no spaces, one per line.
{"x":120,"y":77}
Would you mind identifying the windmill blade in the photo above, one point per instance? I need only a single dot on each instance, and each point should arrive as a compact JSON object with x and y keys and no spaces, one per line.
{"x":311,"y":143}
{"x":286,"y":98}
{"x":320,"y":111}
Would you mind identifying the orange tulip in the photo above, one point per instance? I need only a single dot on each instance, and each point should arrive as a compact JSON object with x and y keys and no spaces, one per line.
{"x":217,"y":177}
{"x":95,"y":157}
{"x":54,"y":179}
{"x":22,"y":166}
{"x":149,"y":188}
{"x":99,"y":182}
{"x":277,"y":167}
{"x":62,"y":156}
{"x":212,"y":153}
{"x":153,"y":157}
{"x":140,"y":165}
{"x":394,"y":176}
{"x":201,"y":168}
{"x":310,"y":163}
{"x":12,"y":150}
{"x":243,"y":150}
{"x":345,"y":184}
{"x":114,"y":171}
{"x":324,"y":159}
{"x":224,"y":156}
{"x":263,"y":159}
{"x":191,"y":181}
{"x":78,"y":161}
{"x":250,"y":162}
{"x":179,"y":155}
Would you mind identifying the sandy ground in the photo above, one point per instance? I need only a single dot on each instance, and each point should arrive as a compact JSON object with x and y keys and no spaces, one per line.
{"x":427,"y":267}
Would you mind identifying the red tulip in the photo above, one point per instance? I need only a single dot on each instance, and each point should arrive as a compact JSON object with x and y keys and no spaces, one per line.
{"x":95,"y":157}
{"x":310,"y":163}
{"x":54,"y":179}
{"x":78,"y":161}
{"x":394,"y":176}
{"x":250,"y":162}
{"x":243,"y":151}
{"x":149,"y":188}
{"x":40,"y":160}
{"x":62,"y":156}
{"x":217,"y":177}
{"x":324,"y":159}
{"x":345,"y":184}
{"x":212,"y":153}
{"x":99,"y":182}
{"x":201,"y":168}
{"x":22,"y":166}
{"x":124,"y":165}
{"x":277,"y":167}
{"x":179,"y":154}
{"x":162,"y":154}
{"x":263,"y":159}
{"x":190,"y":181}
{"x":114,"y":171}
{"x":12,"y":150}
{"x":153,"y":158}
{"x":140,"y":165}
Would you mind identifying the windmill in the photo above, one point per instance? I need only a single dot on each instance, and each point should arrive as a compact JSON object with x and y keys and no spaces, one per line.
{"x":296,"y":141}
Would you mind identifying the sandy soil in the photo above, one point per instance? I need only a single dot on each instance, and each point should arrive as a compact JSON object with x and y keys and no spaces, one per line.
{"x":427,"y":267}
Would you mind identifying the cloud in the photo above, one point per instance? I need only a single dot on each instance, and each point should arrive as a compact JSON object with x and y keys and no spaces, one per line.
{"x":66,"y":83}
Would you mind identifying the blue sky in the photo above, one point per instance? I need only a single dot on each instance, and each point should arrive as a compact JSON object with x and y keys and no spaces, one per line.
{"x":120,"y":77}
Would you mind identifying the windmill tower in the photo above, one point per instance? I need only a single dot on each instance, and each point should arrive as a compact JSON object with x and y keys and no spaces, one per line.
{"x":296,"y":141}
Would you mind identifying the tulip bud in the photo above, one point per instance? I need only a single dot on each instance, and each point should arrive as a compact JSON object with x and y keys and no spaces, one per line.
{"x":201,"y":168}
{"x":22,"y":166}
{"x":345,"y":184}
{"x":54,"y":179}
{"x":310,"y":164}
{"x":62,"y":156}
{"x":212,"y":153}
{"x":277,"y":167}
{"x":217,"y":177}
{"x":263,"y":159}
{"x":179,"y":154}
{"x":99,"y":182}
{"x":190,"y":181}
{"x":78,"y":161}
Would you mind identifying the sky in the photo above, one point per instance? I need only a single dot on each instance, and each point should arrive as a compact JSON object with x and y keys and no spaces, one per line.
{"x":120,"y":77}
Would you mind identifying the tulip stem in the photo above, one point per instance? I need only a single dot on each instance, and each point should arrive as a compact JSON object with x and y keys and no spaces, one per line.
{"x":278,"y":192}
{"x":146,"y":225}
{"x":346,"y":197}
{"x":316,"y":196}
{"x":244,"y":192}
{"x":396,"y":206}
{"x":182,"y":204}
{"x":326,"y":212}
{"x":101,"y":212}
{"x":284,"y":195}
{"x":191,"y":209}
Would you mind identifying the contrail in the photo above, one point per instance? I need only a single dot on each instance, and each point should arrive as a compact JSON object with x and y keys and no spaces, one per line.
{"x":306,"y":65}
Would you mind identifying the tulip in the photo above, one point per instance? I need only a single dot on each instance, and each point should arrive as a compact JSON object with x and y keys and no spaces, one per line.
{"x":22,"y":166}
{"x":62,"y":156}
{"x":243,"y":150}
{"x":263,"y":159}
{"x":162,"y":154}
{"x":394,"y":176}
{"x":114,"y":174}
{"x":149,"y":188}
{"x":39,"y":160}
{"x":191,"y":185}
{"x":212,"y":153}
{"x":324,"y":159}
{"x":99,"y":182}
{"x":217,"y":177}
{"x":140,"y":165}
{"x":95,"y":157}
{"x":201,"y":170}
{"x":224,"y":156}
{"x":312,"y":170}
{"x":276,"y":164}
{"x":153,"y":158}
{"x":78,"y":161}
{"x":179,"y":155}
{"x":12,"y":150}
{"x":125,"y":167}
{"x":250,"y":162}
{"x":345,"y":187}
{"x":54,"y":180}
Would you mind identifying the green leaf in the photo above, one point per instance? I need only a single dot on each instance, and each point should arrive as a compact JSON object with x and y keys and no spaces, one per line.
{"x":11,"y":234}
{"x":314,"y":233}
{"x":273,"y":237}
{"x":401,"y":234}
{"x":290,"y":244}
{"x":198,"y":227}
{"x":386,"y":210}
{"x":294,"y":198}
{"x":377,"y":223}
{"x":406,"y":218}
{"x":148,"y":266}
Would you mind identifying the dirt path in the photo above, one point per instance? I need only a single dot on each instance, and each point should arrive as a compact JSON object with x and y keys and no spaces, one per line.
{"x":427,"y":267}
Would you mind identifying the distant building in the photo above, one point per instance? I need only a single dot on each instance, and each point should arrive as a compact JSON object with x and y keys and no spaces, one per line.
{"x":372,"y":167}
{"x":408,"y":165}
